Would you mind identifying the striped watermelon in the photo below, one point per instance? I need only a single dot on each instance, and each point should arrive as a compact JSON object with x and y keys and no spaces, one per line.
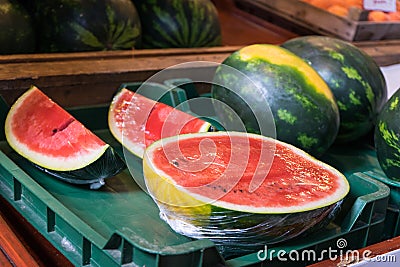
{"x":353,"y":76}
{"x":86,"y":25}
{"x":178,"y":23}
{"x":17,"y":34}
{"x":304,"y":109}
{"x":387,"y":137}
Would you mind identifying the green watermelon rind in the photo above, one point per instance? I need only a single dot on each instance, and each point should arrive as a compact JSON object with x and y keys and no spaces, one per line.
{"x":70,"y":26}
{"x":387,"y":138}
{"x":108,"y":165}
{"x":179,"y":24}
{"x":352,"y":75}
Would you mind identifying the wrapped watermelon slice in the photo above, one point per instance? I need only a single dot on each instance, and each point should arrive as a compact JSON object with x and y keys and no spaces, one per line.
{"x":203,"y":184}
{"x":137,"y":121}
{"x":53,"y":140}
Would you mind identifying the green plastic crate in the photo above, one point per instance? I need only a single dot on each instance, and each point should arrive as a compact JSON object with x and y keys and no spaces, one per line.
{"x":119,"y":224}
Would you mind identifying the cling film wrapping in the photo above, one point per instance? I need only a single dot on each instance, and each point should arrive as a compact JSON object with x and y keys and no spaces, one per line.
{"x":235,"y":233}
{"x":200,"y":197}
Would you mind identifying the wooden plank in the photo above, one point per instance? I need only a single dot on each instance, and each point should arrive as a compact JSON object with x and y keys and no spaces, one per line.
{"x":93,"y":78}
{"x":22,"y":244}
{"x":239,"y":27}
{"x":4,"y":261}
{"x":385,"y":52}
{"x":12,"y":248}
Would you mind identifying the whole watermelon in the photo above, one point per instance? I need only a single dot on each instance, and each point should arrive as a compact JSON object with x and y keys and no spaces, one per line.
{"x":86,"y":25}
{"x":352,"y":75}
{"x":178,"y":23}
{"x":17,"y":34}
{"x":387,"y":137}
{"x":270,"y":78}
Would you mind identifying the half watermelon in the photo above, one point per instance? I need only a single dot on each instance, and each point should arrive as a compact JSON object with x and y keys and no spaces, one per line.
{"x":137,"y":121}
{"x":202,"y":184}
{"x":47,"y":135}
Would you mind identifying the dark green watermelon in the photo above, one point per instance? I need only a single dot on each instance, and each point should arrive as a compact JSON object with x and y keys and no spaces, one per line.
{"x":17,"y":35}
{"x":387,"y":137}
{"x":263,"y":79}
{"x":352,"y":75}
{"x":86,"y":25}
{"x":178,"y":23}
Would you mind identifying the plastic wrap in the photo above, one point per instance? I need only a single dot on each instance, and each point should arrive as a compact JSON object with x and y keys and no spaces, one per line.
{"x":236,"y":233}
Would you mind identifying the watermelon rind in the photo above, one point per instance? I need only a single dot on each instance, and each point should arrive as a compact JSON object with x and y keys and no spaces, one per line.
{"x":353,"y":76}
{"x":387,"y":137}
{"x":83,"y":157}
{"x":179,"y":23}
{"x":86,"y":25}
{"x":124,"y":106}
{"x":108,"y":165}
{"x":236,"y":228}
{"x":116,"y":130}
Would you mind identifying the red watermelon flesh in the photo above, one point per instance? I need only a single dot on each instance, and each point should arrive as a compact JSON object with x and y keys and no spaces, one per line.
{"x":137,"y":121}
{"x":218,"y":168}
{"x":46,"y":134}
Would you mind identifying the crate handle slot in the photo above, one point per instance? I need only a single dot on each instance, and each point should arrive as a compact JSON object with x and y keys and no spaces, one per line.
{"x":361,"y":202}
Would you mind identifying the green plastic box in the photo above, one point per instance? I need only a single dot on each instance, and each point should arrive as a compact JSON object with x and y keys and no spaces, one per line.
{"x":119,"y":224}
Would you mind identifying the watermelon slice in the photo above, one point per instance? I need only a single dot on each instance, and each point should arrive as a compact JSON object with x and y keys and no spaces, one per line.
{"x":137,"y":121}
{"x":202,"y":184}
{"x":47,"y":135}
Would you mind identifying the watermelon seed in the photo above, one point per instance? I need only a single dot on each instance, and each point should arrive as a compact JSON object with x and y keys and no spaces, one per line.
{"x":63,"y":126}
{"x":175,"y":163}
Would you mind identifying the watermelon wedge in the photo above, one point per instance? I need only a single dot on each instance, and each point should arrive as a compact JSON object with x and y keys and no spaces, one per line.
{"x":202,"y":183}
{"x":43,"y":132}
{"x":137,"y":121}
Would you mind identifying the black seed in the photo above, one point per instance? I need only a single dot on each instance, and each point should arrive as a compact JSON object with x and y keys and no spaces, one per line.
{"x":175,"y":163}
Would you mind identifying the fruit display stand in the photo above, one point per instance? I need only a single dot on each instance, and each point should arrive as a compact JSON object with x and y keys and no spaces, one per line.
{"x":308,"y":19}
{"x":119,"y":224}
{"x":59,"y":232}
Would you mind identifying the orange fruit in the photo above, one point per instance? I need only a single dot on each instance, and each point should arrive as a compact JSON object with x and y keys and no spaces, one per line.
{"x":376,"y":15}
{"x":354,"y":3}
{"x":324,"y":4}
{"x":338,"y":10}
{"x":394,"y":16}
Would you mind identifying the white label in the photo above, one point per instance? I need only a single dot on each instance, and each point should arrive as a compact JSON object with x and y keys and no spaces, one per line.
{"x":383,"y":5}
